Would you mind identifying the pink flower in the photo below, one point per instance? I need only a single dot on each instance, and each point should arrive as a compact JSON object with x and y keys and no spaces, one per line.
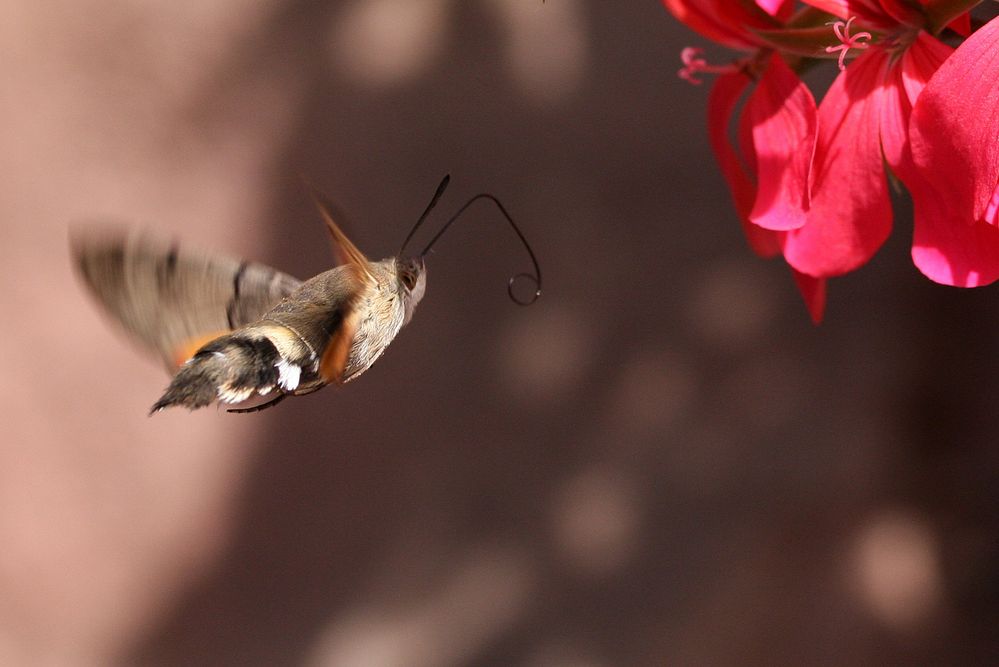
{"x":863,"y":123}
{"x":809,"y":182}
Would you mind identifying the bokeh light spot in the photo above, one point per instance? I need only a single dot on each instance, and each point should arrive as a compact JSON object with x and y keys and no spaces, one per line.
{"x":381,"y":43}
{"x":732,"y":305}
{"x":896,"y":570}
{"x":545,"y":355}
{"x":546,"y":46}
{"x":596,"y":521}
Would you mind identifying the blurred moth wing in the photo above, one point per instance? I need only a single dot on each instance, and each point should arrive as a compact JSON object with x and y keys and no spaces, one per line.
{"x":171,"y":299}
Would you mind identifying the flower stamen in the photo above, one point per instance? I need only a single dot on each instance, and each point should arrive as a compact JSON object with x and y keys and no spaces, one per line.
{"x":847,"y":40}
{"x":694,"y":64}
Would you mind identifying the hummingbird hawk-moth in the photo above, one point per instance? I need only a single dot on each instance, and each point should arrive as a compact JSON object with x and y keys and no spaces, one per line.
{"x":236,"y":332}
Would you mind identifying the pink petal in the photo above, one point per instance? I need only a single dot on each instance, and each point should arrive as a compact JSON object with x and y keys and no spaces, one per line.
{"x":850,"y":214}
{"x":894,"y":122}
{"x":954,"y":180}
{"x":920,"y":62}
{"x":780,"y":9}
{"x":727,"y":22}
{"x":948,"y":249}
{"x":902,"y":85}
{"x":724,"y":96}
{"x":780,"y":116}
{"x":958,"y":119}
{"x":992,"y":209}
{"x":813,"y":291}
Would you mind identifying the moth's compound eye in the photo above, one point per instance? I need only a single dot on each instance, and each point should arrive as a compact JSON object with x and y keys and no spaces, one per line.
{"x":408,"y":279}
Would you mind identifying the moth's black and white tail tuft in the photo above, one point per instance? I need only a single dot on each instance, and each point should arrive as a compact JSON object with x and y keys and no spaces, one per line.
{"x":230,"y":369}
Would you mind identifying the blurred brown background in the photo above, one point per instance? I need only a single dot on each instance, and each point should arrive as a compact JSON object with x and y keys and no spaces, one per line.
{"x":661,"y":462}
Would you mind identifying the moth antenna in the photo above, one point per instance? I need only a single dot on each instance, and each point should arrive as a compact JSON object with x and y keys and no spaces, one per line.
{"x":535,"y":277}
{"x":433,"y":202}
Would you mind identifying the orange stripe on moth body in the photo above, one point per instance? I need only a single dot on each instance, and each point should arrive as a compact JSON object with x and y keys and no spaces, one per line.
{"x":334,"y":361}
{"x":187,"y":349}
{"x":337,"y":352}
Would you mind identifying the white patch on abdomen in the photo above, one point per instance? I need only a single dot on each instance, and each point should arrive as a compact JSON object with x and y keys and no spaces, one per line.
{"x":288,"y":375}
{"x":228,"y":394}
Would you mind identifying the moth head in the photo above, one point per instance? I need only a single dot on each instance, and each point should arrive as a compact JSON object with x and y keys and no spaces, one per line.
{"x":412,"y":283}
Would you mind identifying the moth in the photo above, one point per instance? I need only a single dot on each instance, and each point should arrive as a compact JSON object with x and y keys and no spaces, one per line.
{"x":237,"y":332}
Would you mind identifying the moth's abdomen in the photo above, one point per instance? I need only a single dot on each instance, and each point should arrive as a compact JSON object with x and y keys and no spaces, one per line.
{"x":231,"y":369}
